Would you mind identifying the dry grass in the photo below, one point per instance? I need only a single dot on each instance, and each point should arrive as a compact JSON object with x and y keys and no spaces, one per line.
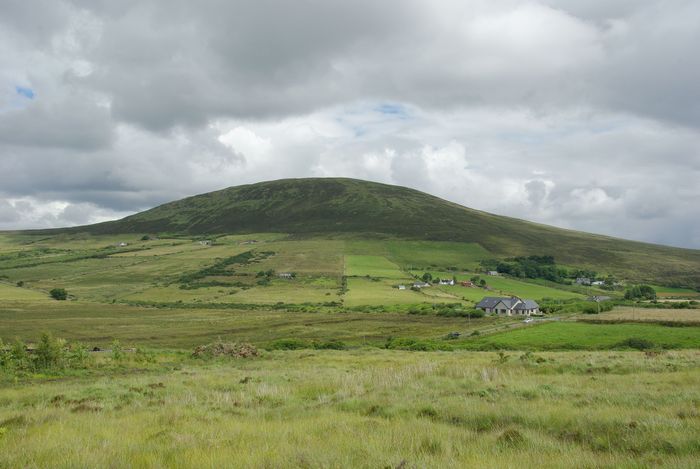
{"x":651,"y":314}
{"x":365,"y":408}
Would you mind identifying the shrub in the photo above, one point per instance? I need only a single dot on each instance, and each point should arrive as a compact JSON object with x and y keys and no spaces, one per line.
{"x":59,"y":294}
{"x":416,"y":344}
{"x":329,"y":345}
{"x":50,"y":353}
{"x":636,"y":343}
{"x":289,"y":344}
{"x":117,"y":351}
{"x":225,"y":349}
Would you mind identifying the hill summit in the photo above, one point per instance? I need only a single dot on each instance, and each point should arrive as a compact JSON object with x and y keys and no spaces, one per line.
{"x":338,"y":206}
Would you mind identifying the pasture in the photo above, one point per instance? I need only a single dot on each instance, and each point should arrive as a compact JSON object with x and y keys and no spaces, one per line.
{"x":556,"y":394}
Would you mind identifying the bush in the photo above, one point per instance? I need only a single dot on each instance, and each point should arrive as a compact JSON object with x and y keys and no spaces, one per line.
{"x":329,"y":345}
{"x":289,"y":344}
{"x":117,"y":351}
{"x":416,"y":344}
{"x":636,"y":343}
{"x":225,"y":349}
{"x":50,"y":353}
{"x":59,"y":294}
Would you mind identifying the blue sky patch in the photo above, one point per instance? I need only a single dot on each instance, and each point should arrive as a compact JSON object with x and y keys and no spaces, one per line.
{"x":396,"y":110}
{"x":25,"y":92}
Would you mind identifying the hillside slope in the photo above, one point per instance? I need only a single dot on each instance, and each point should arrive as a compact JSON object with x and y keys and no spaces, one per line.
{"x":332,"y":206}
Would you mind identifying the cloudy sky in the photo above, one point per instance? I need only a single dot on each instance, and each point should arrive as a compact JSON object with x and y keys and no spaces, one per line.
{"x":582,"y":114}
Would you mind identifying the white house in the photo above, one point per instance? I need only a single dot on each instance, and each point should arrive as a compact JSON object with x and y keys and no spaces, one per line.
{"x":401,"y":287}
{"x":447,"y":282}
{"x":493,"y":273}
{"x":421,"y":284}
{"x":508,"y":306}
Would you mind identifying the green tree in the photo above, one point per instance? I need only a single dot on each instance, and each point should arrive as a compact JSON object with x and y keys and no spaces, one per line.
{"x":427,"y":277}
{"x":50,"y":353}
{"x":640,"y":292}
{"x":59,"y":294}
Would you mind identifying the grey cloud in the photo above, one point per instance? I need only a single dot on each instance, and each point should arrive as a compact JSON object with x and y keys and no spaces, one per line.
{"x":8,"y":213}
{"x":74,"y":122}
{"x":587,"y":111}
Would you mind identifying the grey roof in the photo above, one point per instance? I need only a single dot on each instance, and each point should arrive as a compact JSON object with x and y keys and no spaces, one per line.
{"x":509,"y":301}
{"x":527,"y":304}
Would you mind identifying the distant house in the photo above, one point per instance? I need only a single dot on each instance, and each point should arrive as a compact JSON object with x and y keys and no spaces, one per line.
{"x":598,"y":283}
{"x":492,"y":273}
{"x":508,"y":306}
{"x":401,"y":287}
{"x":421,"y":284}
{"x":122,"y":244}
{"x":583,"y":281}
{"x":598,"y":298}
{"x":287,"y":275}
{"x":467,"y":283}
{"x":447,"y":282}
{"x":250,"y":241}
{"x":205,"y":242}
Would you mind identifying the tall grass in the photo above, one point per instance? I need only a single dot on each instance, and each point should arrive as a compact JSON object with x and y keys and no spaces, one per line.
{"x":365,"y":408}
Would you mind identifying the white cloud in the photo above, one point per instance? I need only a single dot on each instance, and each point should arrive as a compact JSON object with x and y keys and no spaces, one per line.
{"x":578,"y":114}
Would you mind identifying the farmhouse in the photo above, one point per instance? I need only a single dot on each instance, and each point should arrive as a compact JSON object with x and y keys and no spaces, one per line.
{"x":583,"y":281}
{"x":493,"y":273}
{"x":421,"y":284}
{"x":447,"y":282}
{"x":508,"y":306}
{"x":205,"y":242}
{"x":286,"y":275}
{"x":467,"y":283}
{"x":401,"y":287}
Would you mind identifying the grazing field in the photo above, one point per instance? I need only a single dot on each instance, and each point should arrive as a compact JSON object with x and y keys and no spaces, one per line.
{"x":372,"y":266}
{"x":670,"y":292}
{"x":499,"y":286}
{"x":568,"y":335}
{"x":97,"y":324}
{"x":14,"y":293}
{"x":412,"y":409}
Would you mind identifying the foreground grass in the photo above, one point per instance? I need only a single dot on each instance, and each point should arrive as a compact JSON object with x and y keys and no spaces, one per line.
{"x":365,"y":408}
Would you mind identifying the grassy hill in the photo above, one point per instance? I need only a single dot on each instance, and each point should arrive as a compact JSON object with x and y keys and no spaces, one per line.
{"x":334,"y":207}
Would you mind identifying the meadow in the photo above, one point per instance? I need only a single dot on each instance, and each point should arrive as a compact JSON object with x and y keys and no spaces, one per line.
{"x":96,"y":269}
{"x":340,"y":379}
{"x":361,"y":408}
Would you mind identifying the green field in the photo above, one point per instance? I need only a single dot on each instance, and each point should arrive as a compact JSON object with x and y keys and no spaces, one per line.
{"x":534,"y":404}
{"x":498,"y":286}
{"x":372,"y":266}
